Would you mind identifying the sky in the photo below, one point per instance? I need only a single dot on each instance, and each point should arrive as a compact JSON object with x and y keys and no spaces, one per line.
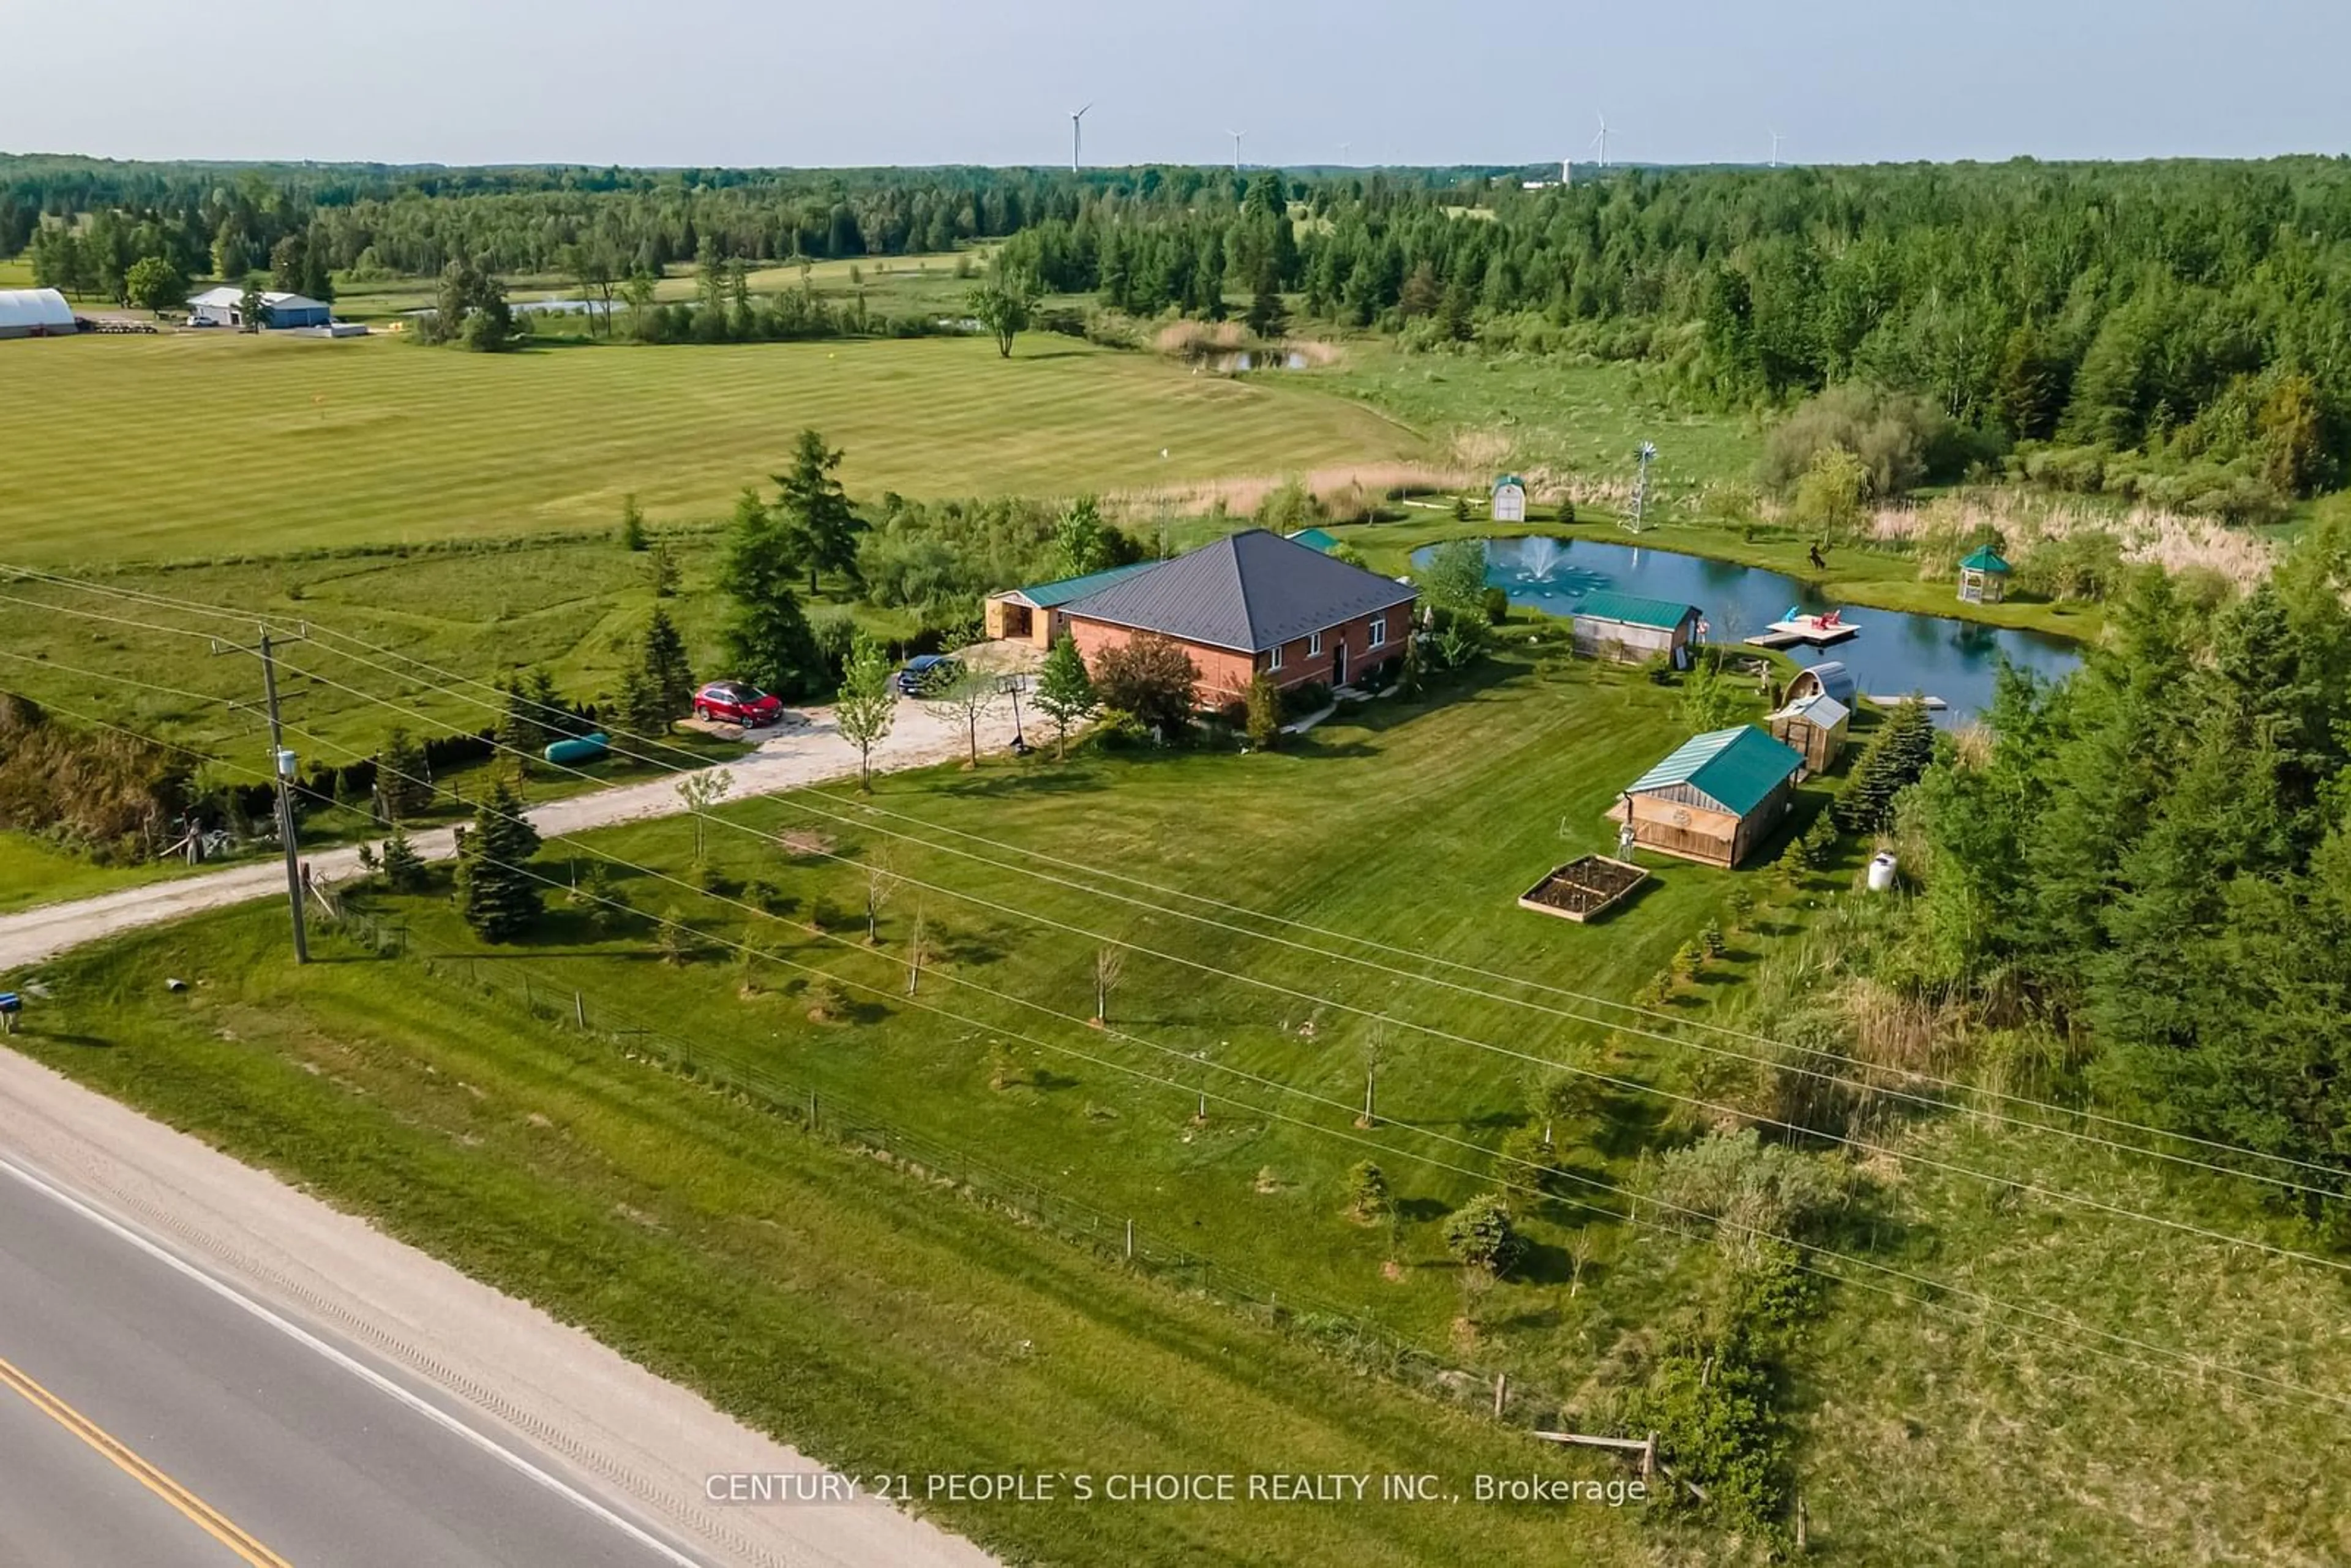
{"x":785,"y":82}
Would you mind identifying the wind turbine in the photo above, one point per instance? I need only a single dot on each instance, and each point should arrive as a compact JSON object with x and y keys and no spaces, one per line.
{"x":1237,"y":136}
{"x":1775,"y":149}
{"x":1076,"y":116}
{"x":1601,"y":142}
{"x":1345,"y":148}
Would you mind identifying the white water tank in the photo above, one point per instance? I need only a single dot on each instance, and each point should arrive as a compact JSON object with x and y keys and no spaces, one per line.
{"x":1881,"y":871}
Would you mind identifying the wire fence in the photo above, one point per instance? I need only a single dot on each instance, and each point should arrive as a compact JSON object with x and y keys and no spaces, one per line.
{"x":1121,"y":1239}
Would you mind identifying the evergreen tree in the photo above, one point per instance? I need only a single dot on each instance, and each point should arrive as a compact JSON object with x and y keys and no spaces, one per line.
{"x":402,"y":779}
{"x":1896,"y":756}
{"x":404,"y":868}
{"x":1065,"y":691}
{"x":1268,"y":316}
{"x":632,"y":523}
{"x":813,"y":523}
{"x":643,"y":711}
{"x":662,"y":658}
{"x":500,"y":897}
{"x":768,"y":638}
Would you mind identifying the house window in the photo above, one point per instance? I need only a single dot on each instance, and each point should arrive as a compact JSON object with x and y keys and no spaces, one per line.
{"x":1379,"y":625}
{"x":1315,"y":646}
{"x":1274,"y":659}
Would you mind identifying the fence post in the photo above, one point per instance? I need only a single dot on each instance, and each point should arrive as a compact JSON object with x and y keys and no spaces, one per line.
{"x":812,"y":1110}
{"x":580,"y":1010}
{"x":1130,"y":1240}
{"x":1501,"y":1392}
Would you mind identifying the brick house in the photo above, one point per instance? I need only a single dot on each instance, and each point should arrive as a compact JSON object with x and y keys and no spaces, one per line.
{"x":1253,"y":602}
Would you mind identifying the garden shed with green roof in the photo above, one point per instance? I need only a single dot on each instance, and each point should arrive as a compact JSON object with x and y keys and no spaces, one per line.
{"x":1716,"y":798}
{"x":1033,"y":615}
{"x":1508,"y":503}
{"x":1634,"y":630}
{"x":1983,"y":576}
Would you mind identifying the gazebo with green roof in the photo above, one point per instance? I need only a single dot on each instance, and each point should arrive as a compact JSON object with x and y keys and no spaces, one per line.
{"x":1983,"y":576}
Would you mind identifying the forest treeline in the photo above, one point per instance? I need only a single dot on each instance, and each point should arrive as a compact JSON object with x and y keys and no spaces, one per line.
{"x":2153,"y":861}
{"x":2179,"y":331}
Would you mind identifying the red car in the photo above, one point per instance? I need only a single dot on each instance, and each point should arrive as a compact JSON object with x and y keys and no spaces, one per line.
{"x":732,"y":701}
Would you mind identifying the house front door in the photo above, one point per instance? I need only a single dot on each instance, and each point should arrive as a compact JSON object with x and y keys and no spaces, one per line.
{"x":1339,"y":663}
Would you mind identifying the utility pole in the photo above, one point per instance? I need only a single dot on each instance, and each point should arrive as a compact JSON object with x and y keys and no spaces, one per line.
{"x":281,"y":770}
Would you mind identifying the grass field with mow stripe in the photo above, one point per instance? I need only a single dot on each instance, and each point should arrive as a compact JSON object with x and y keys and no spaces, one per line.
{"x":199,"y":446}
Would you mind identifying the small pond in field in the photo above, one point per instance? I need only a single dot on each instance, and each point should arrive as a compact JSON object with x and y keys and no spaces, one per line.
{"x":1896,"y":653}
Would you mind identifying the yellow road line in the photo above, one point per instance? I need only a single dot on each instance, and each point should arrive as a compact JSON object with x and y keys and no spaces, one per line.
{"x":199,"y":1513}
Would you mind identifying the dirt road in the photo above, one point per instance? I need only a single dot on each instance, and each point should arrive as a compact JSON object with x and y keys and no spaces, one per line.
{"x":810,"y":754}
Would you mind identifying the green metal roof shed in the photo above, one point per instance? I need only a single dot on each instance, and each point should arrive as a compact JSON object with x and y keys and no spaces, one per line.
{"x":1315,"y":538}
{"x":1606,"y":604}
{"x":1053,"y":595}
{"x":1737,"y":769}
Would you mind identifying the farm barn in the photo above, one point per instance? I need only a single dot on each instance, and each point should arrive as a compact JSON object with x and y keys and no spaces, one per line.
{"x":1033,"y":615}
{"x":35,"y":313}
{"x":1629,"y":628}
{"x":225,"y":306}
{"x":1254,"y":602}
{"x":1714,"y":800}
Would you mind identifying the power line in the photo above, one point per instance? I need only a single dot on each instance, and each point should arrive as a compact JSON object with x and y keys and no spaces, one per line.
{"x":1024,"y":868}
{"x":2198,"y":1365}
{"x":1628,"y":1086}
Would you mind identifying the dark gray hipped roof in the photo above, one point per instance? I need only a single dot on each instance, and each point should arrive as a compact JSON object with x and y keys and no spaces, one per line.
{"x":1249,"y":593}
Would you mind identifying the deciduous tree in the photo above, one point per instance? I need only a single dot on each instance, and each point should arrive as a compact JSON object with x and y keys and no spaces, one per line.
{"x":1065,"y":691}
{"x":867,"y":704}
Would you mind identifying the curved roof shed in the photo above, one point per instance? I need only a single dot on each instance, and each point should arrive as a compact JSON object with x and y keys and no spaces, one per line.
{"x":1829,"y":678}
{"x":35,"y":313}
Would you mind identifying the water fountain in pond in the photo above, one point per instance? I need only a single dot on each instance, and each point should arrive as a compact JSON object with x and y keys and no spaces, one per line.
{"x":1538,"y":558}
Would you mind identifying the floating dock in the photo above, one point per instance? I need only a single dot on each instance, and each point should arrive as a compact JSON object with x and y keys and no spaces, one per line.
{"x":1932,"y":705}
{"x":1788,"y":634}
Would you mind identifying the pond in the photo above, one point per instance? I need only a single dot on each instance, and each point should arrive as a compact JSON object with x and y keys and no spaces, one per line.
{"x":1896,"y":653}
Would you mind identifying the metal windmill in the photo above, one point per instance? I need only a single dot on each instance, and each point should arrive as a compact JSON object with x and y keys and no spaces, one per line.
{"x":1077,"y":117}
{"x":1641,"y":487}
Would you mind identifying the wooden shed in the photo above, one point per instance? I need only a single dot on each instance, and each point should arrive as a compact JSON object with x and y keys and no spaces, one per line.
{"x":1983,"y":576}
{"x":1510,"y":500}
{"x":1626,"y":626}
{"x":1815,"y":726}
{"x":1715,"y":799}
{"x":1033,"y":615}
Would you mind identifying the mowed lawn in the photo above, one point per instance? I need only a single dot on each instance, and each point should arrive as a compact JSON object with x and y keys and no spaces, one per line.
{"x":879,"y":1321}
{"x":197,"y":446}
{"x":1412,"y":826}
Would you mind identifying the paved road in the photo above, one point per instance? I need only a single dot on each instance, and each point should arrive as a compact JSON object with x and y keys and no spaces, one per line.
{"x":262,"y":1399}
{"x":813,"y":754}
{"x":149,"y":1418}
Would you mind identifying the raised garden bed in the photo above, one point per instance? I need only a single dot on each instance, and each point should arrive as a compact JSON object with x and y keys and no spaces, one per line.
{"x":1583,"y":888}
